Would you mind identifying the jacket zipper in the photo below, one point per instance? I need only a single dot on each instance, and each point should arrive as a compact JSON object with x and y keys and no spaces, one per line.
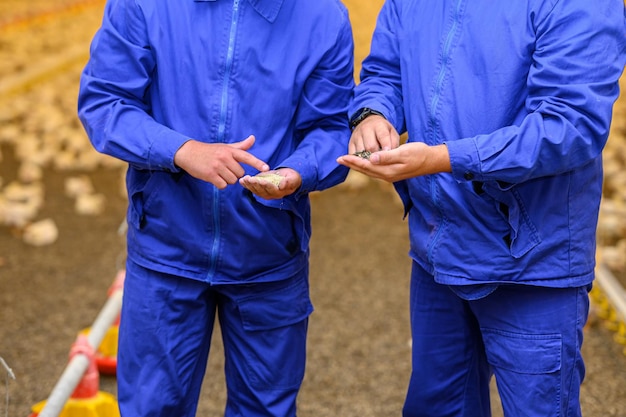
{"x":433,"y":116}
{"x":221,"y":136}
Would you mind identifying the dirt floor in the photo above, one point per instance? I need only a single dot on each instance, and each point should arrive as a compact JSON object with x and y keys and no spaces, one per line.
{"x":358,"y":361}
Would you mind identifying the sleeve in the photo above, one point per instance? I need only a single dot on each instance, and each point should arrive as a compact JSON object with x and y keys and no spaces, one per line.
{"x":321,"y":119}
{"x":572,"y":84}
{"x":381,"y":85}
{"x":113,"y":100}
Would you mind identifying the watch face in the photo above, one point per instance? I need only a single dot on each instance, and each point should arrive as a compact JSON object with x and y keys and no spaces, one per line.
{"x":359,"y":116}
{"x":356,"y":116}
{"x":362,"y":115}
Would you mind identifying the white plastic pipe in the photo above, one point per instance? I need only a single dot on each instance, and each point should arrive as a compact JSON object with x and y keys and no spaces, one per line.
{"x":79,"y":363}
{"x":612,"y":289}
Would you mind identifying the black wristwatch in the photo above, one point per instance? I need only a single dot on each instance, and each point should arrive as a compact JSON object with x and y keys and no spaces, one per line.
{"x":362,"y":114}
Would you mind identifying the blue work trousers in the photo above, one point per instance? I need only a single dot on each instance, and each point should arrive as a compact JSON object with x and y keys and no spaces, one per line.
{"x":165,"y":336}
{"x":528,"y":337}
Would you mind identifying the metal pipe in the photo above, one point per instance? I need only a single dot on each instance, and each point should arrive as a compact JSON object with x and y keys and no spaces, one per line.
{"x":78,"y":364}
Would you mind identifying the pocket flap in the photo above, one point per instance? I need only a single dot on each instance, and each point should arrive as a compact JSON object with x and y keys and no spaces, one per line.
{"x":281,"y":304}
{"x":523,"y":353}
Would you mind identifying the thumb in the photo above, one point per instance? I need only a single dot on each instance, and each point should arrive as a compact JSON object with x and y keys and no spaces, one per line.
{"x":383,"y":158}
{"x":244,"y":144}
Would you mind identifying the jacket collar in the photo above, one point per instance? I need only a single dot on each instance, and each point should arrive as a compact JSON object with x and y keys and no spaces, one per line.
{"x":267,"y":8}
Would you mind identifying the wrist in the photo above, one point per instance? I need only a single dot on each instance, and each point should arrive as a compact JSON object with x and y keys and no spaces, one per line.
{"x":440,"y":158}
{"x":362,"y":114}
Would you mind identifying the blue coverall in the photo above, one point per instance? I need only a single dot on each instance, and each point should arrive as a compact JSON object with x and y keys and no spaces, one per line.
{"x":521,"y":93}
{"x":162,"y":72}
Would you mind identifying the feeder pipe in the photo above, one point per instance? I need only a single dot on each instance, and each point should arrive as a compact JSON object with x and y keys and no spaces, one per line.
{"x":612,"y":289}
{"x":77,"y":366}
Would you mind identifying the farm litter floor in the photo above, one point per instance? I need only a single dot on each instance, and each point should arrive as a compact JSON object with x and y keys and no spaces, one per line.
{"x":358,"y":363}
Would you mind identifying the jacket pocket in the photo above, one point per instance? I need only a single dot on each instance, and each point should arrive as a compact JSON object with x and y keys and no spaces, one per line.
{"x":140,"y":183}
{"x":523,"y":234}
{"x":402,"y":189}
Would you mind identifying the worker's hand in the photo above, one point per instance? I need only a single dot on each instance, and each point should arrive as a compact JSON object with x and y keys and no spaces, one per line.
{"x":406,"y":161}
{"x":217,"y":163}
{"x":373,"y":134}
{"x":273,"y":184}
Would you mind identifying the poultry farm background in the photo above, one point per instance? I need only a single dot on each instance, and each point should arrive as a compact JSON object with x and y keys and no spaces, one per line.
{"x":61,"y":241}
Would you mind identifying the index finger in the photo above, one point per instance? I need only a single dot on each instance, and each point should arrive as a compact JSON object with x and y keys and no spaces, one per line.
{"x":387,"y":137}
{"x":251,"y":160}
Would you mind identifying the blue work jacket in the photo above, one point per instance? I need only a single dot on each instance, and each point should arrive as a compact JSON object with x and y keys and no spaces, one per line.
{"x":521,"y":93}
{"x":162,"y":72}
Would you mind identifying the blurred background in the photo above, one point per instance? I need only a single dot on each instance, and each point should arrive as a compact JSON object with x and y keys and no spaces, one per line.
{"x":62,"y":207}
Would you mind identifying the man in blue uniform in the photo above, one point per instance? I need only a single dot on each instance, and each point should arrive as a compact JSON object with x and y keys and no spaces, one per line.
{"x":202,"y":98}
{"x":507,"y":106}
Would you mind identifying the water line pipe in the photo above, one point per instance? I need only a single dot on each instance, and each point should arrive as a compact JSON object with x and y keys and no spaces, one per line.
{"x":612,"y":289}
{"x":78,"y":364}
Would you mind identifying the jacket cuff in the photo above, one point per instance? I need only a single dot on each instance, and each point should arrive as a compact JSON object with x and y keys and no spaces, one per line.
{"x":168,"y":145}
{"x":464,"y":160}
{"x":307,"y":172}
